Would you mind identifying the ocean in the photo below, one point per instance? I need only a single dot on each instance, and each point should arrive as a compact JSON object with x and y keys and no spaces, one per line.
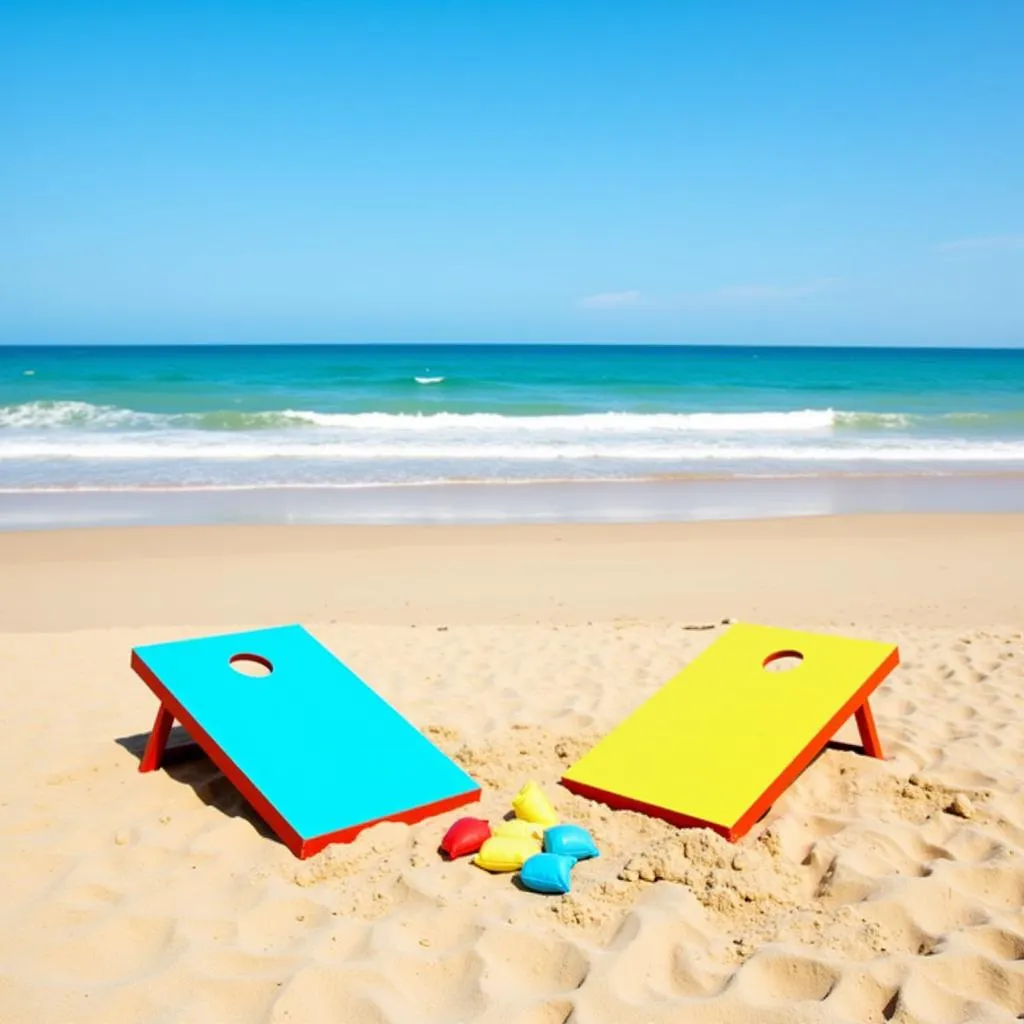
{"x":236,"y":418}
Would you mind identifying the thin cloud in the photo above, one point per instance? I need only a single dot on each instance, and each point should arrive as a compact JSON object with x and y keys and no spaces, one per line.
{"x":748,"y":294}
{"x":993,"y":243}
{"x":727,"y":295}
{"x":613,"y":300}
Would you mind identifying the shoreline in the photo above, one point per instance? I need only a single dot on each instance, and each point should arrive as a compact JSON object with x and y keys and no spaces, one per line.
{"x":677,"y":499}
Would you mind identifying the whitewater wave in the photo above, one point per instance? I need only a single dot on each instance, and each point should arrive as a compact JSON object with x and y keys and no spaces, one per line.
{"x":80,"y":430}
{"x":176,"y":447}
{"x":601,"y":422}
{"x":876,"y":419}
{"x":85,"y":416}
{"x":428,"y":380}
{"x":82,"y":415}
{"x":36,"y":415}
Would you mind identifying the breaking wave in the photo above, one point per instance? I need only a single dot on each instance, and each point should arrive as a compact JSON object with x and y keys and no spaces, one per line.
{"x":64,"y":431}
{"x":85,"y":416}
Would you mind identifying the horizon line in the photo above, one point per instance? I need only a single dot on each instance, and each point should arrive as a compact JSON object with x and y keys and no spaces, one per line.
{"x":858,"y":346}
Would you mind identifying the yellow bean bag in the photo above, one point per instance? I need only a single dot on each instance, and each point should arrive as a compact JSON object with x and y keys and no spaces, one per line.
{"x":506,"y":853}
{"x":517,"y":828}
{"x":530,"y":804}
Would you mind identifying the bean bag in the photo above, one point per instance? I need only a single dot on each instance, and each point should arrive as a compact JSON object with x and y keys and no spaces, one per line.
{"x":570,"y":841}
{"x":531,"y":804}
{"x":506,"y":853}
{"x":547,"y":873}
{"x":467,"y":835}
{"x":519,"y":829}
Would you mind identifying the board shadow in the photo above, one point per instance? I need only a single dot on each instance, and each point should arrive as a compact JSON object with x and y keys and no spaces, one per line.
{"x":186,"y":762}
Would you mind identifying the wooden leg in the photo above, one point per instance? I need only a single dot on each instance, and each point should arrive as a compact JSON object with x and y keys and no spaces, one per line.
{"x":157,"y":741}
{"x":868,"y":733}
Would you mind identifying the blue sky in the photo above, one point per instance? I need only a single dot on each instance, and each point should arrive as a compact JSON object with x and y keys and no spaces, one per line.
{"x":655,"y":172}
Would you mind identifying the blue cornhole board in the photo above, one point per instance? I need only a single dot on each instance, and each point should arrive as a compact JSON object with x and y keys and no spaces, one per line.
{"x":317,"y":753}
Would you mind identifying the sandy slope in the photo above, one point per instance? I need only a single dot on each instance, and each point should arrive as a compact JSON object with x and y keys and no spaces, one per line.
{"x":873,"y":891}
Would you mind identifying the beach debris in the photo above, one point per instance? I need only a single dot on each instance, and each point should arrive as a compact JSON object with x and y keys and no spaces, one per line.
{"x":639,"y":869}
{"x":960,"y":807}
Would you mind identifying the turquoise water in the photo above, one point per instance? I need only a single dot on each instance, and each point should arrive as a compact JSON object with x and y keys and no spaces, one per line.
{"x":304,"y":416}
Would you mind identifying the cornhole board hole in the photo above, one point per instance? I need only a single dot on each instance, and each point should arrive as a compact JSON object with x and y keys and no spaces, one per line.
{"x":316,"y":752}
{"x":718,"y":743}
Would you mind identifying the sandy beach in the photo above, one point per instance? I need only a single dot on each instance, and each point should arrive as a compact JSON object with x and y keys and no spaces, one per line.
{"x":873,"y":891}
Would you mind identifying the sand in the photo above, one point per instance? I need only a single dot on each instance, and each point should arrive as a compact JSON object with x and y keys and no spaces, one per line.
{"x":873,"y":890}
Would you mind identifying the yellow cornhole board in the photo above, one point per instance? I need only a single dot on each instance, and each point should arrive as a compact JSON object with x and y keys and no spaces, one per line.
{"x":718,"y":743}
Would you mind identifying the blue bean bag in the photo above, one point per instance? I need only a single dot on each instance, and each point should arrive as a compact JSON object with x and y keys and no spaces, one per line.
{"x":570,"y":841}
{"x":547,"y":873}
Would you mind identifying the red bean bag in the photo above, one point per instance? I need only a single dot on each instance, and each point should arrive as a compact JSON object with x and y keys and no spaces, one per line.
{"x":467,"y":835}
